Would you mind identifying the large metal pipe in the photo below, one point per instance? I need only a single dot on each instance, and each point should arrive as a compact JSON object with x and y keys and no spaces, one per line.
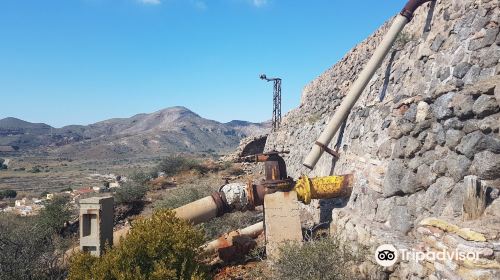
{"x":359,"y":85}
{"x":196,"y":212}
{"x":199,"y":211}
{"x":227,"y":239}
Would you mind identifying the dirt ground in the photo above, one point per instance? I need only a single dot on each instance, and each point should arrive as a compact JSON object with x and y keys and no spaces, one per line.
{"x":34,"y":175}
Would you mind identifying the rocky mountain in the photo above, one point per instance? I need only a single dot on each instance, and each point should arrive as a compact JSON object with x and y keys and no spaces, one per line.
{"x":429,"y":117}
{"x":175,"y":129}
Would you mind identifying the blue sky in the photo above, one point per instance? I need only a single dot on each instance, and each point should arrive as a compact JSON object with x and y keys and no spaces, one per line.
{"x":81,"y":61}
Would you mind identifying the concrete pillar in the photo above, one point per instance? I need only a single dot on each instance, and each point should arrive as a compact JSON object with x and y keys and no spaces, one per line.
{"x":281,"y":221}
{"x":96,"y":224}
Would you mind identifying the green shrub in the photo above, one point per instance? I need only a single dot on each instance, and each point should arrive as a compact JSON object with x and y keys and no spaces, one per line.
{"x":130,"y":193}
{"x":56,"y":212}
{"x":7,"y":194}
{"x":35,"y":169}
{"x":328,"y":259}
{"x":140,"y":177}
{"x":160,"y":247}
{"x":402,"y":39}
{"x":173,"y":165}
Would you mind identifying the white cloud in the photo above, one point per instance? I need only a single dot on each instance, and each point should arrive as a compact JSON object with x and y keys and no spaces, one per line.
{"x":150,"y":2}
{"x":259,"y":3}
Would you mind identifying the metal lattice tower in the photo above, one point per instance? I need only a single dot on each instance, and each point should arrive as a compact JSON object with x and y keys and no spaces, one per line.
{"x":276,"y":100}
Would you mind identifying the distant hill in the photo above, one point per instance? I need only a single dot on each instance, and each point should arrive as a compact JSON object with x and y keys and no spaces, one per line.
{"x":16,"y":132}
{"x":175,"y":129}
{"x":250,"y":129}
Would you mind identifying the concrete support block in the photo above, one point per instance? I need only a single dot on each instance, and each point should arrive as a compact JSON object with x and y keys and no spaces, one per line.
{"x":281,"y":221}
{"x":96,"y":224}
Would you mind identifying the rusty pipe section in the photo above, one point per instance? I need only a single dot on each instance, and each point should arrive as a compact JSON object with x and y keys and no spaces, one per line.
{"x":227,"y":239}
{"x":411,"y":7}
{"x":359,"y":85}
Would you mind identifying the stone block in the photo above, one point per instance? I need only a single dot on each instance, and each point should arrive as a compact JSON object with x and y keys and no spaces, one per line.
{"x":281,"y":221}
{"x":96,"y":224}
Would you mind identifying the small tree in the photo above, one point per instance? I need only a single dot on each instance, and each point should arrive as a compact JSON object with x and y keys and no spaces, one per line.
{"x":55,"y":214}
{"x":8,"y":194}
{"x":160,"y":247}
{"x":30,"y":249}
{"x":140,"y":177}
{"x":130,"y":193}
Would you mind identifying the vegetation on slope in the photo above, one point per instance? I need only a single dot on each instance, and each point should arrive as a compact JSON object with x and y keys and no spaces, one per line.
{"x":32,"y":247}
{"x":160,"y":247}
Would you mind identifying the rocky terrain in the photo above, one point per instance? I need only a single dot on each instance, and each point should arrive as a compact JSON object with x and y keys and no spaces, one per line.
{"x":175,"y":129}
{"x":429,"y":117}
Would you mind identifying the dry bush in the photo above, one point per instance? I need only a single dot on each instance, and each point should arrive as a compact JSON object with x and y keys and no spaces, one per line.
{"x":161,"y":183}
{"x":324,"y":259}
{"x":234,"y":171}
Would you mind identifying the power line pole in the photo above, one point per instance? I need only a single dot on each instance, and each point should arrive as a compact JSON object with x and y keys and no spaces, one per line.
{"x":276,"y":100}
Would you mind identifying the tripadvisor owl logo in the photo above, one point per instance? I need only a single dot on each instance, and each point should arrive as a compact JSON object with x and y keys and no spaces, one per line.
{"x":386,"y":255}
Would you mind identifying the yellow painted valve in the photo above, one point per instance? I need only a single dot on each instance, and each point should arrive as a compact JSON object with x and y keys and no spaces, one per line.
{"x":323,"y":187}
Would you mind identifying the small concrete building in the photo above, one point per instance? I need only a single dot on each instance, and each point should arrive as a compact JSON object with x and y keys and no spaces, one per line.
{"x":96,"y":224}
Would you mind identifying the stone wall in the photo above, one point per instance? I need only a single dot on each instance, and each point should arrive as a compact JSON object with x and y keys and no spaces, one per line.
{"x":429,"y":117}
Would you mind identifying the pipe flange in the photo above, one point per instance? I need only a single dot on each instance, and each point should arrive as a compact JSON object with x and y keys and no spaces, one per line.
{"x":250,"y":196}
{"x":221,"y":203}
{"x":411,"y":6}
{"x":303,"y":189}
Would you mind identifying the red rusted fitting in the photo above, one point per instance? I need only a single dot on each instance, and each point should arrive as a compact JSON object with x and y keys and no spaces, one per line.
{"x":411,"y":6}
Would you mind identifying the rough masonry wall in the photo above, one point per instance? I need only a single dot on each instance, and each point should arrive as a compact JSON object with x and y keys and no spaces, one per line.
{"x":429,"y":117}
